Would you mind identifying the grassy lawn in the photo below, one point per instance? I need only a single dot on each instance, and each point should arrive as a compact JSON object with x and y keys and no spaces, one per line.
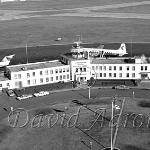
{"x":43,"y":30}
{"x":66,"y":138}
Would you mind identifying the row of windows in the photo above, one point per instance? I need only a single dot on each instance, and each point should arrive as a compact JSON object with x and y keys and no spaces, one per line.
{"x":60,"y":70}
{"x":112,"y":68}
{"x":17,"y":76}
{"x":115,"y":75}
{"x":80,"y":69}
{"x":143,"y":67}
{"x":47,"y":79}
{"x":46,"y":72}
{"x":62,"y":77}
{"x":7,"y":84}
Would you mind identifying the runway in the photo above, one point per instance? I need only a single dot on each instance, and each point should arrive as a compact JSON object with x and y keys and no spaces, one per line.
{"x":93,"y":11}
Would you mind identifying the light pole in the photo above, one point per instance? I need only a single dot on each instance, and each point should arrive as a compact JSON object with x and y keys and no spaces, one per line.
{"x":89,"y":92}
{"x":26,"y":53}
{"x":112,"y":115}
{"x":27,"y":39}
{"x":133,"y":95}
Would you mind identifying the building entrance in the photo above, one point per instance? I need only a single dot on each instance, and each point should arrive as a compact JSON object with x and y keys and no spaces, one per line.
{"x":81,"y":79}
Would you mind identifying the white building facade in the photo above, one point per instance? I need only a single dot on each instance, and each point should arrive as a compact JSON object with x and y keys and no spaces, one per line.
{"x":4,"y":1}
{"x":34,"y":74}
{"x":73,"y":67}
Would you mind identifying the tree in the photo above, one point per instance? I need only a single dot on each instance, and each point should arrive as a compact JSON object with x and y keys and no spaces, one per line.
{"x":74,"y":83}
{"x":91,"y":81}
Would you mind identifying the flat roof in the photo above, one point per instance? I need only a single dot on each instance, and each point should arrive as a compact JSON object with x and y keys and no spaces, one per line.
{"x":70,"y":57}
{"x":34,"y":66}
{"x":108,"y":61}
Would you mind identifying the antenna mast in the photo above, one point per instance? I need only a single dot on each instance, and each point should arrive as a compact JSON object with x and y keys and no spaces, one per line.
{"x":27,"y":53}
{"x":131,"y":47}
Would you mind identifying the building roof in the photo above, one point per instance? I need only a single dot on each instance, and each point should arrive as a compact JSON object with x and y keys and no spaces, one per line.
{"x":71,"y":58}
{"x":34,"y":66}
{"x":108,"y":61}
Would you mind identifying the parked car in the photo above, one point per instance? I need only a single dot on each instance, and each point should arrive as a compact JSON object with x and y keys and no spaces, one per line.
{"x":121,"y":87}
{"x":117,"y":107}
{"x":24,"y":97}
{"x":10,"y":93}
{"x":41,"y":93}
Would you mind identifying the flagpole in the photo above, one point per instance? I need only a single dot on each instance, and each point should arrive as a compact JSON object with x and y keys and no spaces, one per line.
{"x":118,"y":121}
{"x":26,"y":53}
{"x":112,"y":114}
{"x":89,"y":92}
{"x":131,"y":47}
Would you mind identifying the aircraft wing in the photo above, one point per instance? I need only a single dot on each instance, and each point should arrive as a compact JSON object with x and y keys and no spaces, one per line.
{"x":100,"y":47}
{"x":6,"y":60}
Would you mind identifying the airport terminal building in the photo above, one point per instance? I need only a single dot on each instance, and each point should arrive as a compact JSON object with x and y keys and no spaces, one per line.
{"x":75,"y":66}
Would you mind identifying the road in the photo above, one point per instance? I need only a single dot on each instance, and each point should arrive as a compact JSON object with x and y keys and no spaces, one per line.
{"x":66,"y":97}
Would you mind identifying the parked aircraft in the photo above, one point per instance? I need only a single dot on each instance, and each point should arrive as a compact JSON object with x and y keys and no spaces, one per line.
{"x":99,"y":51}
{"x":6,"y":60}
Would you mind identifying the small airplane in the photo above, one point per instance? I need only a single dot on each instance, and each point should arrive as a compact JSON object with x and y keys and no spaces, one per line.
{"x":6,"y":60}
{"x":99,"y":51}
{"x":58,"y":39}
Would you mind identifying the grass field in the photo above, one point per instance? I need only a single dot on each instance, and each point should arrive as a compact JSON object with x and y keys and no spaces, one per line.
{"x":59,"y":4}
{"x":57,"y":137}
{"x":40,"y":23}
{"x":44,"y":53}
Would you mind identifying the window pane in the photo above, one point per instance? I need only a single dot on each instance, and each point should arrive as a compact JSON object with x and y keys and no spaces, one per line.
{"x":133,"y":75}
{"x":56,"y":71}
{"x":41,"y":72}
{"x":47,"y":79}
{"x":133,"y":68}
{"x":41,"y":80}
{"x":33,"y":73}
{"x":104,"y":67}
{"x":34,"y":81}
{"x":46,"y":72}
{"x":28,"y":82}
{"x":141,"y":67}
{"x":67,"y":69}
{"x":61,"y":77}
{"x":28,"y":75}
{"x":60,"y":70}
{"x":19,"y":76}
{"x":110,"y":75}
{"x":56,"y":77}
{"x":110,"y":68}
{"x":120,"y":74}
{"x":67,"y":76}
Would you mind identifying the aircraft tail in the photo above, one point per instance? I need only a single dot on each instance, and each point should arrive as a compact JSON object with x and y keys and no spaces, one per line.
{"x":8,"y":58}
{"x":123,"y":48}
